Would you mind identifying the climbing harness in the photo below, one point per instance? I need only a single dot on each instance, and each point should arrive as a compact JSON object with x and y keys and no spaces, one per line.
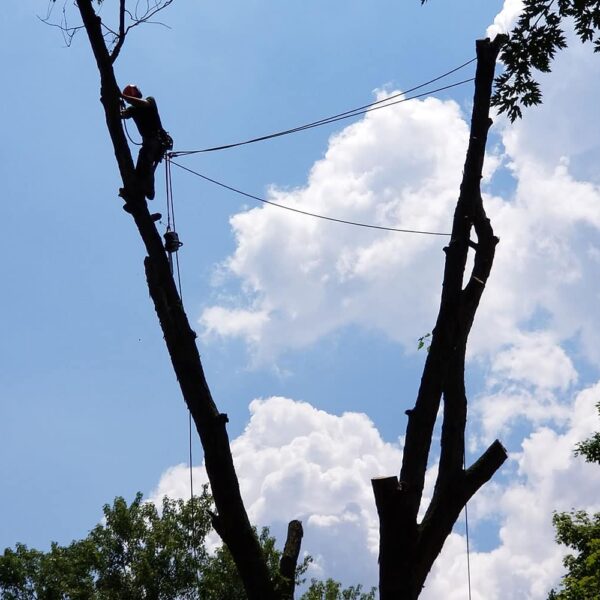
{"x":166,"y":141}
{"x":172,"y":243}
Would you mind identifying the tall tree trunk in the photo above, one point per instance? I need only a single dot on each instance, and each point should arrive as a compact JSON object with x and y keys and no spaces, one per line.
{"x":231,"y":520}
{"x":408,"y":548}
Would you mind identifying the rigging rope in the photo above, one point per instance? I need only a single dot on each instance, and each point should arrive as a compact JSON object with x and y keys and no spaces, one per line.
{"x":379,"y":104}
{"x":177,"y":271}
{"x":129,"y":136}
{"x":304,"y":212}
{"x":467,"y":523}
{"x":468,"y":549}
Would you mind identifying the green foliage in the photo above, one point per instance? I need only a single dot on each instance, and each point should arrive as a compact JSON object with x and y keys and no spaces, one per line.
{"x":220,"y":578}
{"x":141,"y":553}
{"x":332,"y":590}
{"x":590,"y":448}
{"x":137,"y":553}
{"x":581,"y":533}
{"x":423,"y":340}
{"x":533,"y":44}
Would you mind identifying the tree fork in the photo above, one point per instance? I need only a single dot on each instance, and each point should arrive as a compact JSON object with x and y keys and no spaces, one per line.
{"x":407,"y":548}
{"x":232,"y":521}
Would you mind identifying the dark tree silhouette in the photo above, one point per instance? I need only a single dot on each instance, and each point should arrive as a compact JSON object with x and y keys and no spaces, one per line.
{"x":407,"y":548}
{"x":231,"y":520}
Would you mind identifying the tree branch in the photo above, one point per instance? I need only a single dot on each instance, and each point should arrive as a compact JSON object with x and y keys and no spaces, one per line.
{"x":407,"y":551}
{"x":114,"y":37}
{"x":122,"y":33}
{"x":233,"y":523}
{"x":447,"y":504}
{"x":289,"y":559}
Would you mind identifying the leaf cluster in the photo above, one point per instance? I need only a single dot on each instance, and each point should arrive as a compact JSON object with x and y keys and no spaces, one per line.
{"x":141,"y":553}
{"x":538,"y":35}
{"x":581,"y":533}
{"x":332,"y":590}
{"x":138,"y":552}
{"x":590,"y":448}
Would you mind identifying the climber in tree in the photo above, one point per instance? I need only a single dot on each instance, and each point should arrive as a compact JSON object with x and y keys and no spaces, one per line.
{"x":155,"y":140}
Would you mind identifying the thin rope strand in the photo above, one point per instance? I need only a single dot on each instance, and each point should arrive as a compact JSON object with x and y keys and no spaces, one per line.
{"x":467,"y":517}
{"x":128,"y":136}
{"x":178,"y":276}
{"x":190,"y":456}
{"x":468,"y":548}
{"x":306,"y":213}
{"x":167,"y":188}
{"x":340,"y":117}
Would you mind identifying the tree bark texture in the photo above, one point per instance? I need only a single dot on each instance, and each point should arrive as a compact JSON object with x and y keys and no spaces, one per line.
{"x":289,"y":559}
{"x":408,"y":548}
{"x":231,"y":522}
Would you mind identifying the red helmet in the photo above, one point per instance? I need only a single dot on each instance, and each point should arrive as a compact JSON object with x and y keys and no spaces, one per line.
{"x":132,"y":90}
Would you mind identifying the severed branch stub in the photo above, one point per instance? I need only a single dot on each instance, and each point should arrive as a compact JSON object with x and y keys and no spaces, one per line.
{"x":408,"y":547}
{"x":289,"y":559}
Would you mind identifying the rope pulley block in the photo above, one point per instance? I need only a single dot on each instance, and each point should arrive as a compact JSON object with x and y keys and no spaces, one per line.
{"x":172,"y":243}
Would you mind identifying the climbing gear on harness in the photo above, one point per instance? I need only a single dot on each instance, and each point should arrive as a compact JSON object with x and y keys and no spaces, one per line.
{"x":172,"y":243}
{"x":166,"y":142}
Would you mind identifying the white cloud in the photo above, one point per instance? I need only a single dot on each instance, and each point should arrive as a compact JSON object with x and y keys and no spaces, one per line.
{"x":305,"y":278}
{"x":506,"y":18}
{"x":295,"y":461}
{"x":246,"y":323}
{"x":537,"y":359}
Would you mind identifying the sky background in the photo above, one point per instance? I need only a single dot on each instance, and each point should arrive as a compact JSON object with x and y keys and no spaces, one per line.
{"x":308,"y":330}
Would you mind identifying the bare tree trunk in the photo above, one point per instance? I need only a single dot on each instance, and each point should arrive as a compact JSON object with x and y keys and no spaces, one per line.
{"x":408,"y":548}
{"x":232,"y":521}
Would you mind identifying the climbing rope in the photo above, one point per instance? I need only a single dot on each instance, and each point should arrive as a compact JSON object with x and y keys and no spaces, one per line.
{"x":467,"y":527}
{"x":172,"y":245}
{"x":129,"y":136}
{"x":354,"y":112}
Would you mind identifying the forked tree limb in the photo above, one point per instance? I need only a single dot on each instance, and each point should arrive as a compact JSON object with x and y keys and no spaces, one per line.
{"x":232,"y":521}
{"x":408,"y":548}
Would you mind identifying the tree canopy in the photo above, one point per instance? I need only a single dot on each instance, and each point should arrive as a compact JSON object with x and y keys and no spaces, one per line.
{"x":139,"y":552}
{"x":580,"y":532}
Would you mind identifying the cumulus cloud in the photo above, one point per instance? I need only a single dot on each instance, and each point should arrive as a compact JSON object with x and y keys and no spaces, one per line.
{"x":305,"y":278}
{"x":535,"y":359}
{"x":295,"y":461}
{"x":506,"y":18}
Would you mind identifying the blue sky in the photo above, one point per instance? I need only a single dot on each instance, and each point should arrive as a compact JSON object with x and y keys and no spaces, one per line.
{"x":321,"y":315}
